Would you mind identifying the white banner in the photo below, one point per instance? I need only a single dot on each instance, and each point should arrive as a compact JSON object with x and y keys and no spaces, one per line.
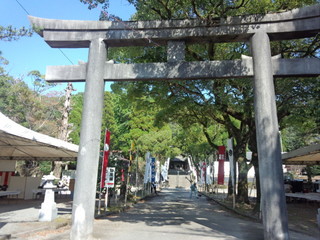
{"x":209,"y":177}
{"x":231,"y":162}
{"x":148,"y":169}
{"x":193,"y":170}
{"x":158,"y":171}
{"x":203,"y":173}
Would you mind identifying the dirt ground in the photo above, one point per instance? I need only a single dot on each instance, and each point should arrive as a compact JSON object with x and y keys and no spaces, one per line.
{"x":302,"y":216}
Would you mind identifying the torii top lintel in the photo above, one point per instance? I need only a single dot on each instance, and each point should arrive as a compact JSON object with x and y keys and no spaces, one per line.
{"x":297,"y":23}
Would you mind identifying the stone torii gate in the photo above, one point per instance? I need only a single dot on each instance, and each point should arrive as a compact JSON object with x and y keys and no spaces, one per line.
{"x":258,"y":30}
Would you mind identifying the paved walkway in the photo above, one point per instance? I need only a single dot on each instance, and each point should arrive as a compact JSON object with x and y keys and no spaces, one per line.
{"x":171,"y":215}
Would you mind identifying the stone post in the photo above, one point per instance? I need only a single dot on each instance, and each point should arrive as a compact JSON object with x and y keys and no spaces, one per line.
{"x":274,"y":212}
{"x":88,"y":157}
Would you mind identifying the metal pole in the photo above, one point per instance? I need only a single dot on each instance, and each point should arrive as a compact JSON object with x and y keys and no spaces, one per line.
{"x":275,"y":219}
{"x":99,"y":205}
{"x":137,"y":166}
{"x":178,"y":179}
{"x":106,"y":200}
{"x":88,"y":156}
{"x":100,"y":189}
{"x":127,"y":189}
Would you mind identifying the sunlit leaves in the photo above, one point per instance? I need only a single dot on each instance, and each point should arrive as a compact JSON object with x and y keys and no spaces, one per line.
{"x":11,"y":33}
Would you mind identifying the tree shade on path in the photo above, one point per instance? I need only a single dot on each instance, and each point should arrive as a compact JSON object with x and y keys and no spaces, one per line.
{"x":172,"y":215}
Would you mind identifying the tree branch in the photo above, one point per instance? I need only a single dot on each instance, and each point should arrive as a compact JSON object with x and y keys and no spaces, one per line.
{"x":194,"y":8}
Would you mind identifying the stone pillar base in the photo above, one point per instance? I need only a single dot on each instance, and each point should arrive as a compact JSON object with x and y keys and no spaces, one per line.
{"x":48,"y":212}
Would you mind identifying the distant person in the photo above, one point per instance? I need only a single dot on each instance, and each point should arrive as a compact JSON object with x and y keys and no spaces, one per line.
{"x":193,"y":190}
{"x":154,"y":188}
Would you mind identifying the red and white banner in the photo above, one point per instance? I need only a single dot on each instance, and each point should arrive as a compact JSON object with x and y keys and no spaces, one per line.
{"x":105,"y":158}
{"x":221,"y":159}
{"x":5,"y":177}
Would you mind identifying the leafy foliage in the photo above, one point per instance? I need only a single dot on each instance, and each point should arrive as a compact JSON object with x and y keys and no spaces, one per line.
{"x":32,"y":109}
{"x":11,"y":33}
{"x":75,"y":117}
{"x":226,"y":104}
{"x":100,"y":4}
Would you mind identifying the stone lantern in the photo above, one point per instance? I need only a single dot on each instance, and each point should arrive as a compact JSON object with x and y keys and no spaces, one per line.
{"x":48,"y":211}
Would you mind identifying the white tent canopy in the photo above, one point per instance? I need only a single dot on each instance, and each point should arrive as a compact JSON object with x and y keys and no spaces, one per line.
{"x":20,"y":143}
{"x":309,"y":155}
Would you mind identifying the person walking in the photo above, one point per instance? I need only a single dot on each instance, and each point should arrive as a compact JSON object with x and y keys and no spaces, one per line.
{"x":193,"y":190}
{"x":154,"y":188}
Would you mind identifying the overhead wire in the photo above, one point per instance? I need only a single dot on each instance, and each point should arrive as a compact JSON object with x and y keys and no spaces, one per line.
{"x":26,"y":11}
{"x":23,"y":7}
{"x":66,"y":56}
{"x":106,"y":14}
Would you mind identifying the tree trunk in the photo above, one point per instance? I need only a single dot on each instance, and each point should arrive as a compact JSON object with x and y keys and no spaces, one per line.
{"x":243,"y":169}
{"x":64,"y":128}
{"x":57,"y":170}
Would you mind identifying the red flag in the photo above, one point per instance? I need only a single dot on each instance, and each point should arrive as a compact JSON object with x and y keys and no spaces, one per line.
{"x":105,"y":158}
{"x":122,"y":175}
{"x":221,"y":159}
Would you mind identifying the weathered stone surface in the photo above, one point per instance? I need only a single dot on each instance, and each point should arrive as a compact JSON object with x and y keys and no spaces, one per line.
{"x":176,"y":51}
{"x":293,"y":24}
{"x":273,"y":203}
{"x":185,"y":70}
{"x":89,"y":147}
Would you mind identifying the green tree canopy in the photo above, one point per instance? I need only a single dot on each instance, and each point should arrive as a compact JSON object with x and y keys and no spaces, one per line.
{"x":227,"y":102}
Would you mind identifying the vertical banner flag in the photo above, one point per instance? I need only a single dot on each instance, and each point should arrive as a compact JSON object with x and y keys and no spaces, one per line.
{"x":232,"y":175}
{"x":209,"y":177}
{"x":164,"y":170}
{"x":153,"y":170}
{"x":122,"y":175}
{"x":5,"y":177}
{"x":221,"y":158}
{"x":230,"y":155}
{"x":105,"y":158}
{"x":147,"y":171}
{"x":210,"y":170}
{"x":203,"y":172}
{"x":158,"y":172}
{"x":193,"y":169}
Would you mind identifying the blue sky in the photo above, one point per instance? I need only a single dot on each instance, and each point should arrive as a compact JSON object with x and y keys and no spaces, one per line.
{"x":32,"y":53}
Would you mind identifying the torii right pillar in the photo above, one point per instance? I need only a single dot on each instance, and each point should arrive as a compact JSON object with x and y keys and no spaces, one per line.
{"x":273,"y":202}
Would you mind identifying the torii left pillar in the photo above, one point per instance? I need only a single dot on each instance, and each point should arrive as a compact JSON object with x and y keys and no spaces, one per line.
{"x":88,"y":157}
